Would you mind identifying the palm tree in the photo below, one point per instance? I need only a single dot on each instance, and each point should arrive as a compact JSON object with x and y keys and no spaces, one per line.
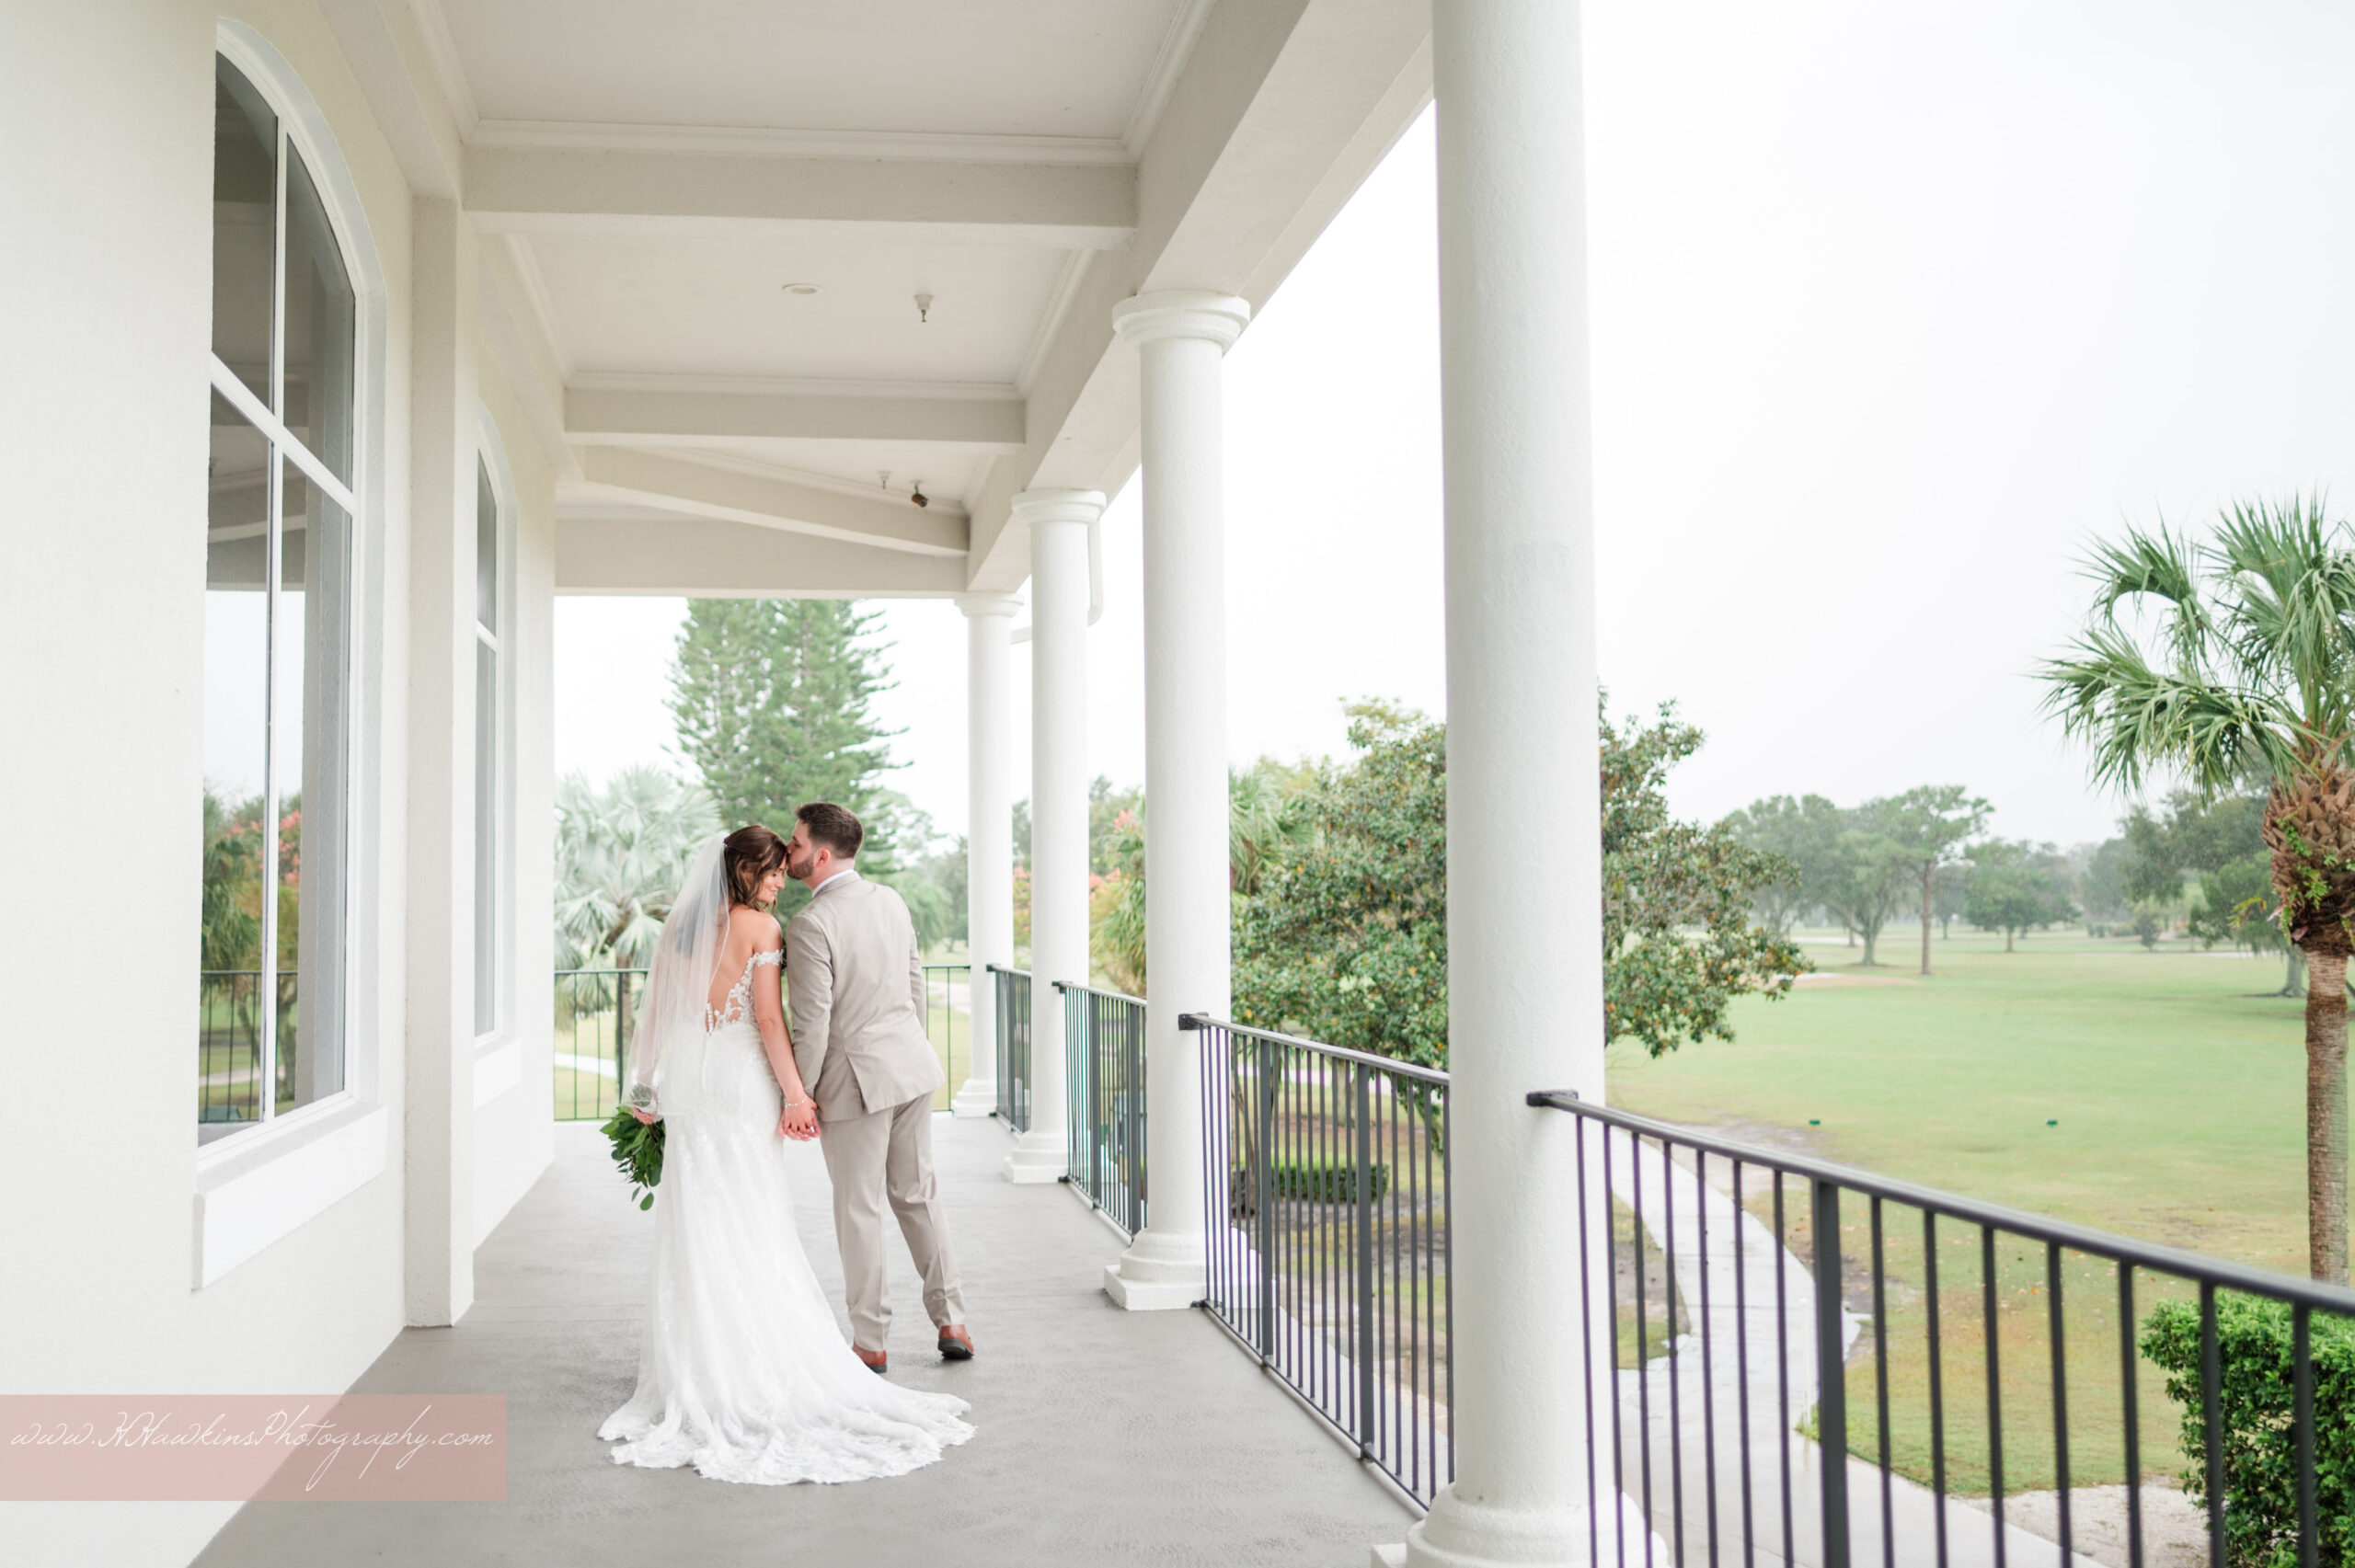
{"x":620,"y":852}
{"x":2239,"y":671}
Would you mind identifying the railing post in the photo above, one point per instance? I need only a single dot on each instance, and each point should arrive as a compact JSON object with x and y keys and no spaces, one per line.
{"x":1364,"y":1142}
{"x":1263,"y":1190}
{"x":621,"y":1036}
{"x":1830,"y":1373}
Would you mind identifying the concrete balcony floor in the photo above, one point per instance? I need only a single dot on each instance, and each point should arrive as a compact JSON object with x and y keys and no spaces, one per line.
{"x":1104,"y":1437}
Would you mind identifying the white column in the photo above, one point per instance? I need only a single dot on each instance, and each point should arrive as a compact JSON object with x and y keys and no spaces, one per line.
{"x":437,"y":1086}
{"x":1059,"y":522}
{"x":989,"y":840}
{"x":1180,"y":337}
{"x":1524,"y":839}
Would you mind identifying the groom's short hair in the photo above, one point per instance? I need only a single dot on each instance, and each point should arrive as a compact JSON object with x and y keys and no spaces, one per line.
{"x":834,"y":827}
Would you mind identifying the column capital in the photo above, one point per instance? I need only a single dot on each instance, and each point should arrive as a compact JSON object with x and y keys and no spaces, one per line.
{"x":1182,"y":312}
{"x":978,"y":605}
{"x":1033,"y":506}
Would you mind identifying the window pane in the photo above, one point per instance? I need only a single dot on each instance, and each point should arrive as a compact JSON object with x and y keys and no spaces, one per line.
{"x":485,"y":549}
{"x":244,"y":225}
{"x":311,"y":645}
{"x":485,"y":838}
{"x":235,"y":686}
{"x":319,"y":326}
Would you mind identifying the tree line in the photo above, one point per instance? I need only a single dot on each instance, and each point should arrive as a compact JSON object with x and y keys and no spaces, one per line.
{"x":2191,"y":864}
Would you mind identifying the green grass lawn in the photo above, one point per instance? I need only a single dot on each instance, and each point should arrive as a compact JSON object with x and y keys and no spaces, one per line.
{"x":2156,"y":1093}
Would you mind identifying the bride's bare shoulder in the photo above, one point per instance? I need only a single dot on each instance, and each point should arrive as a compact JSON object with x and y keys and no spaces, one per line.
{"x":756,"y":929}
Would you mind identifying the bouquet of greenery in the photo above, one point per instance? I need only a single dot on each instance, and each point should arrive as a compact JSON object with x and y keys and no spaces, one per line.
{"x":637,"y":1153}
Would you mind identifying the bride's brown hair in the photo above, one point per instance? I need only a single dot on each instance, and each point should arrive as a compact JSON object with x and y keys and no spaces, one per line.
{"x":751,"y":853}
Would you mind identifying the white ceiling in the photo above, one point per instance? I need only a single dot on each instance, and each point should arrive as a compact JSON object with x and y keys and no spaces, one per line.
{"x":1023,"y":81}
{"x":1000,"y":67}
{"x":630,"y":305}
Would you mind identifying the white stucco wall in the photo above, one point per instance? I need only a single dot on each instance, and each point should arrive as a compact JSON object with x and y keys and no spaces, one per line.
{"x":104,"y":335}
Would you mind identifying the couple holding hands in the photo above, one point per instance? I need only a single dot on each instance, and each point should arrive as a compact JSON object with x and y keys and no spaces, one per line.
{"x":743,"y":1372}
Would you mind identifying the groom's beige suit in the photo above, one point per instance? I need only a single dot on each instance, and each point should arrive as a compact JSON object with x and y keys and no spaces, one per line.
{"x":856,"y":978}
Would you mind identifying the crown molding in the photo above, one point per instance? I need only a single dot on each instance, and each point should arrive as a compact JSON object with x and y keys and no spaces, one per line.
{"x":1168,"y":65}
{"x":791,"y":386}
{"x":449,"y":69}
{"x":755,"y":141}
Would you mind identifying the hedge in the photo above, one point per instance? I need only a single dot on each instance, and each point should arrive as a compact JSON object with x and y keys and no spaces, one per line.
{"x":2253,"y":1341}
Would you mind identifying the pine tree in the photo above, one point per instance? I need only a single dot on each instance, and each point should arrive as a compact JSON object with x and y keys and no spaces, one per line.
{"x":772,"y":699}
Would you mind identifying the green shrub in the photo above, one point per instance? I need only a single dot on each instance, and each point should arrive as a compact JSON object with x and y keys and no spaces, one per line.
{"x":2260,"y":1441}
{"x":1327,"y":1184}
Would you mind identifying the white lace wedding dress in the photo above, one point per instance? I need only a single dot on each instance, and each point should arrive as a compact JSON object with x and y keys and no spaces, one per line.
{"x":743,"y":1373}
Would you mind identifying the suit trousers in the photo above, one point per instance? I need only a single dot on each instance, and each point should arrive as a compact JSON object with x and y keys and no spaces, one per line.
{"x":885,"y":1157}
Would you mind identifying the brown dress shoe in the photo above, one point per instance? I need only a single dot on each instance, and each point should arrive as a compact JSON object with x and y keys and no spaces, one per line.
{"x":877,"y":1361}
{"x":955,"y":1345}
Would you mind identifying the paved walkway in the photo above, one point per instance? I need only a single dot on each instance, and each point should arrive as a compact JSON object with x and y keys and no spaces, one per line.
{"x":1105,"y":1438}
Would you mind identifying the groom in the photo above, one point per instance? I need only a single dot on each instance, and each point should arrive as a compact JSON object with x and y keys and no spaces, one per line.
{"x":857,"y":980}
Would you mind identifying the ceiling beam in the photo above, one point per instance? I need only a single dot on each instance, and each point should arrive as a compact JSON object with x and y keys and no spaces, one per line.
{"x":607,"y":417}
{"x":623,"y":475}
{"x":705,"y":558}
{"x":622,"y":191}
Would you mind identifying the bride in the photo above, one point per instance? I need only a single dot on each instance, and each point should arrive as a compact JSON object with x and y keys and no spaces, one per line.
{"x":743,"y":1373}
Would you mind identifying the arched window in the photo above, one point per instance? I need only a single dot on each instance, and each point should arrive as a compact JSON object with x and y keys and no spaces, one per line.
{"x":277,"y":627}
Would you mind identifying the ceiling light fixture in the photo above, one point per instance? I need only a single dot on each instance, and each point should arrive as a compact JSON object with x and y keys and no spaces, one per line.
{"x":923,"y":309}
{"x":805,"y":289}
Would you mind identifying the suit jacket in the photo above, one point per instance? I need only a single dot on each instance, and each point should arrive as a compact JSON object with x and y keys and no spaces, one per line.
{"x":856,"y":978}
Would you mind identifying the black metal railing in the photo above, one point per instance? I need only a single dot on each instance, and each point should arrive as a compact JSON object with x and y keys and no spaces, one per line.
{"x":1325,"y":1188}
{"x":229,"y":1045}
{"x":941,"y":1013}
{"x":2009,"y":1355}
{"x":1104,"y":1053}
{"x":1011,"y":994}
{"x":593,"y":1020}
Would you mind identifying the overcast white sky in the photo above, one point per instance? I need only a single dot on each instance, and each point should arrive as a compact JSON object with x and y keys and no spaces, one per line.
{"x":1894,"y":308}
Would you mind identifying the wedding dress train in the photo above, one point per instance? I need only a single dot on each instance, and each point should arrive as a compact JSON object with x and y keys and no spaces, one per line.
{"x":743,"y":1372}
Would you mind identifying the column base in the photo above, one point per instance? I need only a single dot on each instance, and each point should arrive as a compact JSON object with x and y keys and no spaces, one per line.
{"x":1038,"y":1159}
{"x":1159,"y":1273}
{"x":976,"y":1099}
{"x":1457,"y":1535}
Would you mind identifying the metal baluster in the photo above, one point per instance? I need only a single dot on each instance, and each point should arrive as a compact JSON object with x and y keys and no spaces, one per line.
{"x":2302,"y":1424}
{"x":1365,"y":1259}
{"x":1994,"y":1391}
{"x":1586,"y":1340}
{"x":1881,"y":1389}
{"x":1264,"y":1201}
{"x":1783,"y":1356}
{"x":2212,"y":1406}
{"x":2130,"y":1395}
{"x":1831,"y":1382}
{"x":1742,"y":1358}
{"x":1668,"y":1300}
{"x":2056,"y":1330}
{"x":1708,"y":1382}
{"x":1938,"y":1384}
{"x":1643,"y":1346}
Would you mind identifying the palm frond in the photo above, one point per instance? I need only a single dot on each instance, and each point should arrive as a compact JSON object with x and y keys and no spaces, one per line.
{"x":2137,"y":718}
{"x":2291,"y":606}
{"x":2163,"y":566}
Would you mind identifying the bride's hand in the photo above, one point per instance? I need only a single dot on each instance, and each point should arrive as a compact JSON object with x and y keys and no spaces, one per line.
{"x":798,"y":1122}
{"x":644,"y":1115}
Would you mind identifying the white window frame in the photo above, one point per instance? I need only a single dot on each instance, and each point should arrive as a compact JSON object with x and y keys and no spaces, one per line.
{"x":258,"y":1184}
{"x":491,"y":451}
